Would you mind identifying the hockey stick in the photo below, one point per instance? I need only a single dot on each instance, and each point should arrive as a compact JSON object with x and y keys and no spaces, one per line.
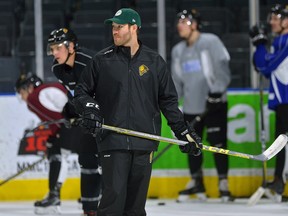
{"x":23,"y":170}
{"x":257,"y":195}
{"x":58,"y":121}
{"x":192,"y":124}
{"x":276,"y":146}
{"x":45,"y":123}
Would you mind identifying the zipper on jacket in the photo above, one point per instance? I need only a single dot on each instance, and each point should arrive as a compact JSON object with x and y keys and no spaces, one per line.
{"x":154,"y":127}
{"x":129,"y":101}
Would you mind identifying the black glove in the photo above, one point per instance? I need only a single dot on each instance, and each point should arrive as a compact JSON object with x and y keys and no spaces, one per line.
{"x":194,"y":144}
{"x":214,"y":101}
{"x":91,"y":118}
{"x":69,"y":114}
{"x":258,"y":35}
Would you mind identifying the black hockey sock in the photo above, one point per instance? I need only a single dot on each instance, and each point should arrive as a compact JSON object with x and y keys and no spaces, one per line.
{"x":54,"y":171}
{"x":90,"y":191}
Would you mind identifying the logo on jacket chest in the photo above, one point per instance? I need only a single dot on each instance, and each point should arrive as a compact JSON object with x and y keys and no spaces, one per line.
{"x":143,"y":69}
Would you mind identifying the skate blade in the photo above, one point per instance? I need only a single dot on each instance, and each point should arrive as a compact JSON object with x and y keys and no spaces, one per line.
{"x":199,"y":196}
{"x":51,"y":210}
{"x":226,"y":199}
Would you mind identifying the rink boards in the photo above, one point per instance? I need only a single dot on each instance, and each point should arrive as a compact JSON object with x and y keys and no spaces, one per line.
{"x":170,"y":173}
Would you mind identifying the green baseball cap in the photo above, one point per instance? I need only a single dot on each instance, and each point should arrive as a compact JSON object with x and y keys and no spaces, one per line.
{"x":125,"y":16}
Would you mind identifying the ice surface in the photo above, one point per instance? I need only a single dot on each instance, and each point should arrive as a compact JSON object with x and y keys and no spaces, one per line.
{"x":213,"y":207}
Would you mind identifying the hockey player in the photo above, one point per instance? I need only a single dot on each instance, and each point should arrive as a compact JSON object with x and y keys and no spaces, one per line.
{"x":47,"y":102}
{"x":69,"y":62}
{"x":273,"y":65}
{"x":200,"y":70}
{"x":128,"y":85}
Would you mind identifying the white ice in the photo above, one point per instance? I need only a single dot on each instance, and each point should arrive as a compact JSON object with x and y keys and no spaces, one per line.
{"x":212,"y":207}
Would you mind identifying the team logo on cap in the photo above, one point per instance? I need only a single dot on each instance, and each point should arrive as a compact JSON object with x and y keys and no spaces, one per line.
{"x":118,"y":13}
{"x":143,"y":69}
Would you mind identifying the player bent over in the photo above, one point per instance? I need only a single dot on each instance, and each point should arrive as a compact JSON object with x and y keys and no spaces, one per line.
{"x":47,"y":102}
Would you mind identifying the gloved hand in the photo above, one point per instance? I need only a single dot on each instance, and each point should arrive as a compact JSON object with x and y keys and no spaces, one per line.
{"x":258,"y":35}
{"x":92,"y":119}
{"x":69,"y":114}
{"x":214,"y":101}
{"x":194,"y":144}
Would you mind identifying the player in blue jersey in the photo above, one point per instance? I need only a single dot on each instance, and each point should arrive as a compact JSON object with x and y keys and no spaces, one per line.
{"x":274,"y":66}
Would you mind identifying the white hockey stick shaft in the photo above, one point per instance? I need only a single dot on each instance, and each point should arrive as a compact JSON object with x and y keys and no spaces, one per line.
{"x":275,"y":147}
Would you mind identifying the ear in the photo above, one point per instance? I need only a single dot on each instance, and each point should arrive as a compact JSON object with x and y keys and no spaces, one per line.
{"x":194,"y":25}
{"x":30,"y":89}
{"x":71,"y":47}
{"x":285,"y":22}
{"x":134,"y":27}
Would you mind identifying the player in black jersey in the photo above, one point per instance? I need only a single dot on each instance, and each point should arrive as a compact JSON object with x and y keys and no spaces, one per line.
{"x":69,"y":62}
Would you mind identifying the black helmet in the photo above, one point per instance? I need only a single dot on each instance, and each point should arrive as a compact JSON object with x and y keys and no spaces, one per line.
{"x":284,"y":12}
{"x":278,"y":10}
{"x":192,"y":15}
{"x":25,"y":80}
{"x":59,"y":36}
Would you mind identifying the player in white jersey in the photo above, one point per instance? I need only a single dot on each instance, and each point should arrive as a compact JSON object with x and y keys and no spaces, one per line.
{"x":200,"y":70}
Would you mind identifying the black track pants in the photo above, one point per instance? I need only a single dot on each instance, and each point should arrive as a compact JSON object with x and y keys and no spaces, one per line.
{"x":126,"y":176}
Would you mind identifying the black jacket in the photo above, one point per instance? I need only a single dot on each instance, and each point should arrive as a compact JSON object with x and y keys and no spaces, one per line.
{"x":131,"y":92}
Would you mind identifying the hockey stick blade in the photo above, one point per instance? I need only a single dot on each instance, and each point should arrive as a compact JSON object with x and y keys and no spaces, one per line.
{"x":276,"y":146}
{"x":256,"y":196}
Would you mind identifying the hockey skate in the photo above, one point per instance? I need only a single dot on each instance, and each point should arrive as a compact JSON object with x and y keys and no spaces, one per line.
{"x":224,"y":191}
{"x":276,"y":188}
{"x":195,"y":187}
{"x":49,"y":205}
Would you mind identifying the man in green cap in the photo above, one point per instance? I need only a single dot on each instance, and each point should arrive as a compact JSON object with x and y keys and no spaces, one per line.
{"x":128,"y":85}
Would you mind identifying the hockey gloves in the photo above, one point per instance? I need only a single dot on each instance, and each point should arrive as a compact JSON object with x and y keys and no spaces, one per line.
{"x":258,"y":35}
{"x":213,"y":102}
{"x":70,"y":115}
{"x":91,"y":118}
{"x":194,"y":144}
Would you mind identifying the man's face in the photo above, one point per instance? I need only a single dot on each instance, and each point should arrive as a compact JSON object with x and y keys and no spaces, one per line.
{"x":275,"y":22}
{"x":184,"y":27}
{"x":24,"y":93}
{"x":122,"y":34}
{"x":60,"y":52}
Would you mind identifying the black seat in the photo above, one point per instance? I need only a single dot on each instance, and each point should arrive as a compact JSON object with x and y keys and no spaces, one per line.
{"x":9,"y":67}
{"x":240,"y":41}
{"x":215,"y":27}
{"x":149,"y":15}
{"x":91,"y":29}
{"x":144,"y":4}
{"x":86,"y":17}
{"x":56,"y":18}
{"x":188,"y":4}
{"x":87,"y":5}
{"x":240,"y":74}
{"x":150,"y":40}
{"x":93,"y":42}
{"x":219,"y":14}
{"x":5,"y":48}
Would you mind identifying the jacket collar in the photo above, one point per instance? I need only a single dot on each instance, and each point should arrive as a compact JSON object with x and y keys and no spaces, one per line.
{"x":126,"y":50}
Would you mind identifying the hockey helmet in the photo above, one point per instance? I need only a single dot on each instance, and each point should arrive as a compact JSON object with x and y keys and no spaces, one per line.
{"x":25,"y":80}
{"x":191,"y":15}
{"x":278,"y":10}
{"x":61,"y":36}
